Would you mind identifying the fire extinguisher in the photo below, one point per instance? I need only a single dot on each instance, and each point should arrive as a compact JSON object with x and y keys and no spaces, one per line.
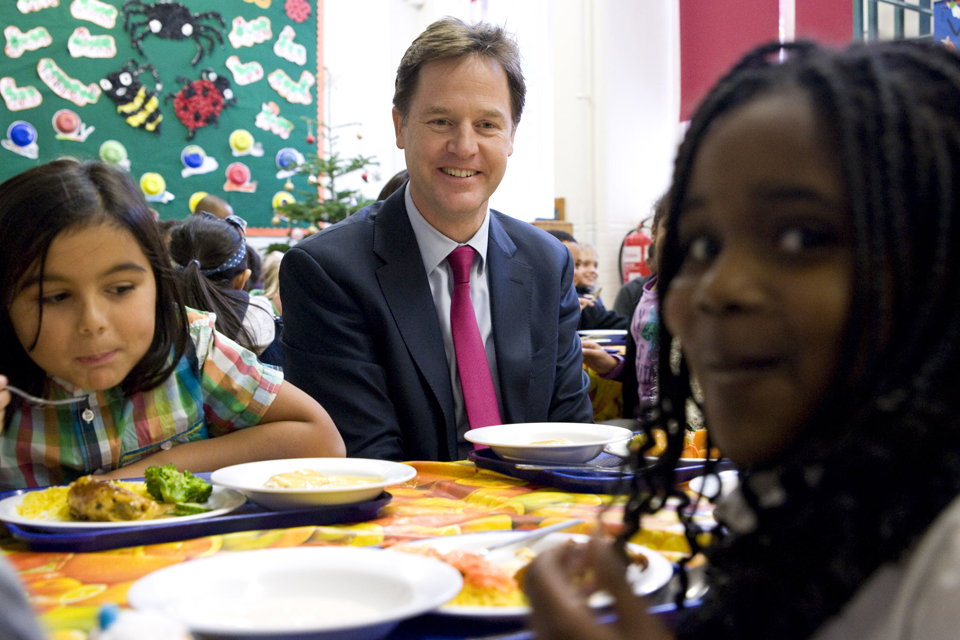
{"x":634,"y":251}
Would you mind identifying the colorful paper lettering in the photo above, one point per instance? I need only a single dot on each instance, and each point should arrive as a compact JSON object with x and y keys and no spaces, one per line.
{"x":65,"y":86}
{"x":244,"y":74}
{"x":84,"y":45}
{"x":263,"y":4}
{"x":99,"y":13}
{"x":19,"y":98}
{"x":287,"y":49}
{"x":18,"y":42}
{"x":26,"y":6}
{"x":296,"y":92}
{"x":247,"y":34}
{"x":269,"y":120}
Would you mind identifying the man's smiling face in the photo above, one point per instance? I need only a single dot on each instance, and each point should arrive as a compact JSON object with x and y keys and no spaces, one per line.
{"x":456,"y":138}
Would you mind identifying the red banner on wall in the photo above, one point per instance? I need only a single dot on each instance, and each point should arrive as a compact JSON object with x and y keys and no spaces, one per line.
{"x":714,"y":35}
{"x":826,"y":21}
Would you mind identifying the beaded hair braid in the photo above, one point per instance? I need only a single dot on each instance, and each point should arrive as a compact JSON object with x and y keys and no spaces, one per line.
{"x":881,"y":457}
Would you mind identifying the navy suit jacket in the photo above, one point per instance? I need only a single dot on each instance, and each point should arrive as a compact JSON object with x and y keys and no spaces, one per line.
{"x":361,"y":333}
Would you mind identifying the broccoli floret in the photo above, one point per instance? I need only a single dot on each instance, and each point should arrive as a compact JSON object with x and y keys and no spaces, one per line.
{"x":170,"y":486}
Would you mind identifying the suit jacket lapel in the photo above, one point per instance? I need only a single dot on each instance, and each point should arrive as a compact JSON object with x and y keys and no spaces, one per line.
{"x":511,"y":284}
{"x":407,"y":293}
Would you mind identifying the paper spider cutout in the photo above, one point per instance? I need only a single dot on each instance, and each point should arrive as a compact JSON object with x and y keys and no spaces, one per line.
{"x":171,"y":21}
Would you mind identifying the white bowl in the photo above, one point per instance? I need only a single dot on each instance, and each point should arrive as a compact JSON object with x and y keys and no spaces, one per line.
{"x":327,"y":593}
{"x":249,"y":479}
{"x":517,"y":441}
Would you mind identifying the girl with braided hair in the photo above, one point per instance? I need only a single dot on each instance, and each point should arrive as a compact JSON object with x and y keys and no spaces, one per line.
{"x":810,"y":273}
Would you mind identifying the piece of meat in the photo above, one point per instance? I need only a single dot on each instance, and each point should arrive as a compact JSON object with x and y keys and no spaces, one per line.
{"x":103,"y":501}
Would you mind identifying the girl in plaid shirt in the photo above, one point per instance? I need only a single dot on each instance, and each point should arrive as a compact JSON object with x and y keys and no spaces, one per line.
{"x":91,"y":310}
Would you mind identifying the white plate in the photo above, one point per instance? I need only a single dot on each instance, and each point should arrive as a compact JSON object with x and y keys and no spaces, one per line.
{"x":728,"y":482}
{"x":516,"y":441}
{"x":221,"y":501}
{"x":249,"y":479}
{"x":622,"y":450}
{"x":586,"y":333}
{"x":341,"y":593}
{"x":657,"y":574}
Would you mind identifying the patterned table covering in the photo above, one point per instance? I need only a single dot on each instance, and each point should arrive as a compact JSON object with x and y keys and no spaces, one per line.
{"x":445,"y":498}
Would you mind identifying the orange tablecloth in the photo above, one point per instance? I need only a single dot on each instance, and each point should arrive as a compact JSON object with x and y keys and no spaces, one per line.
{"x":445,"y":498}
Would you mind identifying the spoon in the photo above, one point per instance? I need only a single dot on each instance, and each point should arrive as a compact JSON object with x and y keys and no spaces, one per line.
{"x":35,"y":400}
{"x":529,"y":536}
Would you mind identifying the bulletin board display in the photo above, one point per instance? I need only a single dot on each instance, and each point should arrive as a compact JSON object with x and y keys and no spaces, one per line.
{"x":205,"y":94}
{"x":946,"y":23}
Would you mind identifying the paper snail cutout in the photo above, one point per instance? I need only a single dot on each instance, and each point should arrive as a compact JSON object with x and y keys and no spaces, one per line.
{"x":68,"y":126}
{"x":22,"y":139}
{"x":196,"y":161}
{"x":154,"y":188}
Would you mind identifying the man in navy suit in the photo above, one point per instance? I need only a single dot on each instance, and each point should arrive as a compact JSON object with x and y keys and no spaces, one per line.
{"x":370,"y":324}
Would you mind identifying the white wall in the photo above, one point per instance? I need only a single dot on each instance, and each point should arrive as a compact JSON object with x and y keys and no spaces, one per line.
{"x":363,"y":43}
{"x":617,"y":100}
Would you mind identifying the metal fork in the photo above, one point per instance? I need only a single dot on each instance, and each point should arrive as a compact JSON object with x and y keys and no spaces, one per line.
{"x":35,"y":400}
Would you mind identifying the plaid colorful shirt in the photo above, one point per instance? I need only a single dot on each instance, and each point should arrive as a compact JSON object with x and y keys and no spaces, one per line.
{"x":217,"y":387}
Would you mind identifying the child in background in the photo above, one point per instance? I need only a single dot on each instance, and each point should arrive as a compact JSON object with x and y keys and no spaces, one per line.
{"x":639,"y":366}
{"x":211,"y":258}
{"x":810,"y":273}
{"x":271,"y":281}
{"x":593,"y":315}
{"x":589,"y":269}
{"x":214,"y":205}
{"x":91,"y":310}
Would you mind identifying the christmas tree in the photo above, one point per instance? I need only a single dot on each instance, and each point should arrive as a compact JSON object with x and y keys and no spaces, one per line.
{"x":326,"y":204}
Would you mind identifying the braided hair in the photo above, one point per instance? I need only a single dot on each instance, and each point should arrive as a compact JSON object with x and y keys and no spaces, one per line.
{"x":880,"y":458}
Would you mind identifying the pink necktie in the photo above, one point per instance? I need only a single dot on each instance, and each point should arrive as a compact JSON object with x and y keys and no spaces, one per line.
{"x":475,"y":380}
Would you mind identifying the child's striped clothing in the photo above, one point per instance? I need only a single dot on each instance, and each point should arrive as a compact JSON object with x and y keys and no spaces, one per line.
{"x":218,"y":387}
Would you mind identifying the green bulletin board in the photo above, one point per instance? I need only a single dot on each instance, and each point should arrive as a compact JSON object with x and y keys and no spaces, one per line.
{"x":266,"y":44}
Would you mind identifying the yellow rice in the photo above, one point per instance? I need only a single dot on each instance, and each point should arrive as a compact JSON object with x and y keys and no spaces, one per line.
{"x":51,"y":503}
{"x":473,"y":596}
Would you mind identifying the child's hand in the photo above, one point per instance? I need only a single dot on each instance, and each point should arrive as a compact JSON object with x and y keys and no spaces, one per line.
{"x":559,"y":604}
{"x":4,"y":400}
{"x":597,"y":359}
{"x":586,"y":301}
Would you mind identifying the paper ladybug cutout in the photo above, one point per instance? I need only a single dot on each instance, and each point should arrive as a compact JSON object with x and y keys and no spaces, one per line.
{"x":200,"y":102}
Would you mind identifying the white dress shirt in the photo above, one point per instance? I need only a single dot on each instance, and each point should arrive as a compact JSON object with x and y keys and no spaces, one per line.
{"x":434,"y":249}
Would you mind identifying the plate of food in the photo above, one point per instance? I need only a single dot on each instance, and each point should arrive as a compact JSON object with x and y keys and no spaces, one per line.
{"x":299,"y":483}
{"x":322,"y":593}
{"x":624,"y":448}
{"x":548,"y":442}
{"x":601,"y":333}
{"x":164,"y":496}
{"x":491,"y":583}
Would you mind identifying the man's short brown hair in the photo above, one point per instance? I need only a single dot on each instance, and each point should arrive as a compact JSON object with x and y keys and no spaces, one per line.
{"x":450,"y":38}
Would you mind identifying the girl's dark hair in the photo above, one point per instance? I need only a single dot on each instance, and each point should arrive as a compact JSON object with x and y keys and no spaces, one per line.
{"x":881,"y":456}
{"x":205,"y":243}
{"x":65,"y":195}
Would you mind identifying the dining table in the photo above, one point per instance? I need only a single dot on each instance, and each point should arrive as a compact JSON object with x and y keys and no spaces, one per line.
{"x":67,"y":587}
